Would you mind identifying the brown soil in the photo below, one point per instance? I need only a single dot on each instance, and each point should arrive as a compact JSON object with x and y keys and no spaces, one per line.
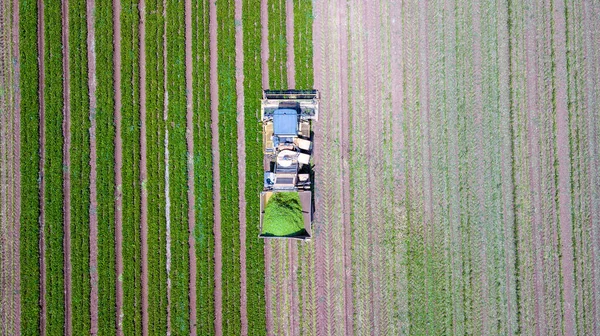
{"x":92,"y":83}
{"x":67,"y":175}
{"x":118,"y":165}
{"x":42,"y":159}
{"x":241,"y":145}
{"x":190,"y":164}
{"x":214,"y":98}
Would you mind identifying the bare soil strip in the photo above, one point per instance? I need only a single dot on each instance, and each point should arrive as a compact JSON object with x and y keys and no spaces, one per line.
{"x":166,"y":161}
{"x":189,"y":69}
{"x":214,"y":109}
{"x":92,"y":83}
{"x":241,"y":145}
{"x":564,"y":171}
{"x":264,"y":42}
{"x":289,"y":36}
{"x":118,"y":165}
{"x":143,"y":169}
{"x":506,"y":160}
{"x":66,"y":173}
{"x":42,"y":160}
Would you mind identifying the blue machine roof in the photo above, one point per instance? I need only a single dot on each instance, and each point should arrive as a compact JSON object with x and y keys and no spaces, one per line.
{"x":285,"y":122}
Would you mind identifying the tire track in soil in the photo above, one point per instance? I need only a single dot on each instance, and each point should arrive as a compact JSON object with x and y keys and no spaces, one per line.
{"x":189,"y":134}
{"x":66,"y":172}
{"x":42,"y":245}
{"x":143,"y":169}
{"x":241,"y":143}
{"x":534,"y":168}
{"x":214,"y":98}
{"x":92,"y":84}
{"x":118,"y":165}
{"x":564,"y":171}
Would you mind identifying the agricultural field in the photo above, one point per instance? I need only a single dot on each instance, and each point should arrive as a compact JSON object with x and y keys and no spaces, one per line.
{"x":457,"y":188}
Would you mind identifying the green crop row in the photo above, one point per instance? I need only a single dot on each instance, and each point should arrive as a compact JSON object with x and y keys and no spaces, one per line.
{"x":203,"y":174}
{"x":178,"y":167}
{"x":255,"y":262}
{"x":80,"y":167}
{"x":105,"y":135}
{"x":277,"y":45}
{"x":228,"y":167}
{"x":157,"y":276}
{"x":30,"y":160}
{"x":53,"y":167}
{"x":303,"y":46}
{"x":130,"y":135}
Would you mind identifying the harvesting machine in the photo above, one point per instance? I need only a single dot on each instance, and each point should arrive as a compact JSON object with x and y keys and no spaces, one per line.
{"x":286,"y":205}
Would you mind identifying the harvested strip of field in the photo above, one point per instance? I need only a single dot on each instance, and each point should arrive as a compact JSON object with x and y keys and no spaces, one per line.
{"x":157,"y":276}
{"x":131,"y":188}
{"x":176,"y":128}
{"x":105,"y":145}
{"x":79,"y":168}
{"x":53,"y":168}
{"x":30,"y":159}
{"x":255,"y":264}
{"x":203,"y":173}
{"x":227,"y":166}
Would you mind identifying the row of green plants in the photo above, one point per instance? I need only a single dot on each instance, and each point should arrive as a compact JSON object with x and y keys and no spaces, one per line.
{"x":80,"y":167}
{"x":255,"y":262}
{"x":130,"y":135}
{"x":277,"y":45}
{"x":105,"y":184}
{"x":303,"y":46}
{"x":30,"y":161}
{"x":53,"y":167}
{"x":203,"y":174}
{"x":230,"y":224}
{"x":176,"y":126}
{"x":155,"y":136}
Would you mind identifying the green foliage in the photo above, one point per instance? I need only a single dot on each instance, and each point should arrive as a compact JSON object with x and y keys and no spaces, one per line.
{"x":228,"y":167}
{"x":105,"y":137}
{"x":255,"y":262}
{"x":303,"y":46}
{"x":30,"y":160}
{"x":80,"y":167}
{"x":130,"y":135}
{"x":177,"y":167}
{"x":277,"y":45}
{"x":283,"y":216}
{"x":157,"y":276}
{"x":53,"y":167}
{"x":203,"y":174}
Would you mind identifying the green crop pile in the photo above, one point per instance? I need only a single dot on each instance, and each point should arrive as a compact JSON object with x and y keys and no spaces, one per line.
{"x":157,"y":276}
{"x":80,"y":167}
{"x":176,"y":126}
{"x":277,"y":45}
{"x":255,"y":262}
{"x":203,"y":174}
{"x":130,"y":135}
{"x":230,"y":224}
{"x":283,"y":216}
{"x":30,"y":161}
{"x":105,"y":137}
{"x":53,"y":168}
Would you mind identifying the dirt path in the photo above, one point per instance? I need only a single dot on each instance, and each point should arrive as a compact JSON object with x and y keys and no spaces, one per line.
{"x":241,"y":145}
{"x":42,"y":160}
{"x":67,"y":173}
{"x":214,"y":109}
{"x":143,"y":168}
{"x":189,"y":135}
{"x":118,"y":164}
{"x":92,"y":83}
{"x":564,"y":171}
